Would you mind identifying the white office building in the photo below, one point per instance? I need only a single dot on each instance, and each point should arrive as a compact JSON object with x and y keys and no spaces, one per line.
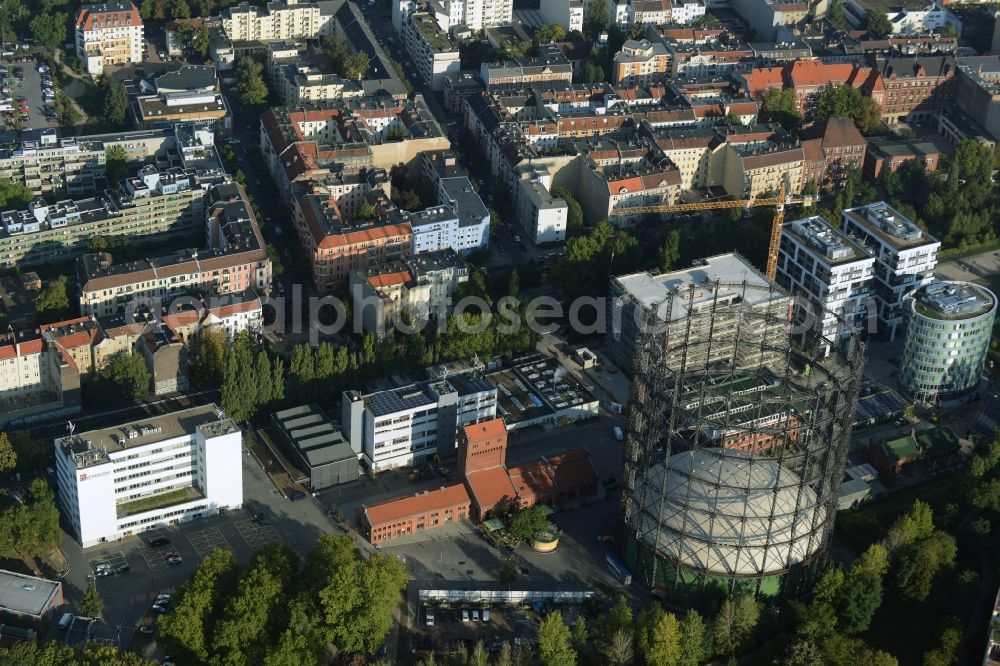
{"x":125,"y":479}
{"x":833,"y":274}
{"x":404,"y":426}
{"x":905,"y":257}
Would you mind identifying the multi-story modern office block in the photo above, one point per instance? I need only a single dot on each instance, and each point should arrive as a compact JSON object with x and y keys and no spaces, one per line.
{"x":905,"y":257}
{"x":948,"y":329}
{"x":406,"y":425}
{"x":831,"y":273}
{"x":121,"y":480}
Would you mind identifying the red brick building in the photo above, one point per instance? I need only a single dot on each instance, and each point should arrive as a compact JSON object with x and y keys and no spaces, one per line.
{"x":917,"y":87}
{"x":831,"y":147}
{"x":409,"y":515}
{"x":892,"y":154}
{"x":564,"y":478}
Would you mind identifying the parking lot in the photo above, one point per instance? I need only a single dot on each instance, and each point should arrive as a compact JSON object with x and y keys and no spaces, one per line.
{"x":31,"y":90}
{"x":205,"y":541}
{"x":256,"y":535}
{"x":115,"y":560}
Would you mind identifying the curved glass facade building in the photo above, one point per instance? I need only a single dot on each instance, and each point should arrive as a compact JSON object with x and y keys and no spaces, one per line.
{"x":948,"y":327}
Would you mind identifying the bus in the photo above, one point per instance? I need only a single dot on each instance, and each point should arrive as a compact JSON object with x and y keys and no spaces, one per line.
{"x":619,"y":570}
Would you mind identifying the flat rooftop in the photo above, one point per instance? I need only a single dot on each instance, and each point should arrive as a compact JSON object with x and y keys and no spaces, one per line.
{"x":94,"y":446}
{"x":316,"y":437}
{"x":731,"y":271}
{"x":953,"y":300}
{"x":889,"y":225}
{"x":26,"y":595}
{"x":825,"y":240}
{"x":535,"y":386}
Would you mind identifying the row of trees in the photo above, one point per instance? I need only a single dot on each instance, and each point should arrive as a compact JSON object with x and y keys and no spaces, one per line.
{"x":29,"y":525}
{"x":278,"y":611}
{"x":958,"y":203}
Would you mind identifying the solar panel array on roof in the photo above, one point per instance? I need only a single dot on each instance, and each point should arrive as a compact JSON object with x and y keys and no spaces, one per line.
{"x":388,"y":402}
{"x":469,"y":384}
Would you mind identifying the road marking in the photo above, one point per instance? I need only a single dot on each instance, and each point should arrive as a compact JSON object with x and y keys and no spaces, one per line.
{"x":154,"y":556}
{"x":205,"y":541}
{"x":114,"y":560}
{"x":256,"y":535}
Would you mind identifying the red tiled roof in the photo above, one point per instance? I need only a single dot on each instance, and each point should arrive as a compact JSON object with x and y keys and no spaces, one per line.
{"x":27,"y":347}
{"x":567,"y":470}
{"x":771,"y":159}
{"x":475,"y":432}
{"x":813,"y":73}
{"x":390,"y":279}
{"x":405,"y":507}
{"x":88,"y":19}
{"x":761,"y":79}
{"x":489,"y":486}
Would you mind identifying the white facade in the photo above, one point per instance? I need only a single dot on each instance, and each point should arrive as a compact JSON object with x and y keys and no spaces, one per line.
{"x":905,"y":257}
{"x":833,"y":274}
{"x":109,"y":478}
{"x":567,"y":13}
{"x":473,"y":231}
{"x":542,"y":215}
{"x":619,"y":12}
{"x":686,"y":11}
{"x":434,"y":229}
{"x":108,"y":34}
{"x":278,"y":20}
{"x":403,"y":426}
{"x":481,"y":14}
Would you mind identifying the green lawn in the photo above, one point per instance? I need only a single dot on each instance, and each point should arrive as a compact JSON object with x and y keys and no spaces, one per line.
{"x":858,"y":528}
{"x":158,"y":501}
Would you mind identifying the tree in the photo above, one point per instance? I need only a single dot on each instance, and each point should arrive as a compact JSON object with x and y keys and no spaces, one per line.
{"x":526,"y":523}
{"x":115,"y":102}
{"x":579,"y":636}
{"x":554,"y":647}
{"x":264,"y":378}
{"x":596,"y":19}
{"x":859,"y":599}
{"x":365,"y":212}
{"x":836,"y":16}
{"x":848,"y":102}
{"x":31,"y":454}
{"x":509,"y":569}
{"x":782,"y":106}
{"x":52,"y":303}
{"x":693,"y":636}
{"x":14,"y":195}
{"x":50,"y":29}
{"x":129,"y":373}
{"x":670,"y":251}
{"x":547,"y":34}
{"x":921,"y":562}
{"x":186,"y":628}
{"x":513,"y":284}
{"x":659,"y":637}
{"x":735,"y":622}
{"x":250,"y":86}
{"x":574,"y":213}
{"x":194,"y":37}
{"x":8,"y":457}
{"x":355,"y":65}
{"x":947,"y":652}
{"x":619,"y":649}
{"x":92,"y":604}
{"x":209,"y":362}
{"x":877,"y":23}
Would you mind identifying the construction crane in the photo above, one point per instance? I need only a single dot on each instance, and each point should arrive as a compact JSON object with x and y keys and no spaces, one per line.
{"x":779,"y":202}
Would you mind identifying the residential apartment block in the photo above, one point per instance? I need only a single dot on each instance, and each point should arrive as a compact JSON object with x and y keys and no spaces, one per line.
{"x":830,"y":148}
{"x":834,"y":274}
{"x":407,"y":425}
{"x":567,"y":13}
{"x":278,"y":20}
{"x":549,"y":65}
{"x":38,"y":380}
{"x":123,"y":480}
{"x":918,"y":88}
{"x":905,"y":257}
{"x":335,"y":247}
{"x":542,"y":216}
{"x":145,"y":209}
{"x":233,"y":261}
{"x":430,"y":49}
{"x":641,"y":62}
{"x":108,"y":34}
{"x":409,"y":291}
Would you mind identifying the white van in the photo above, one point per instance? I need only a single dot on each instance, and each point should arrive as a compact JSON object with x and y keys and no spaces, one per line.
{"x":619,"y":434}
{"x":65,"y":621}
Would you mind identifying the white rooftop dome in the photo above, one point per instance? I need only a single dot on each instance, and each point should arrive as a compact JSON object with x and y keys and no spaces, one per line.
{"x":727,"y":513}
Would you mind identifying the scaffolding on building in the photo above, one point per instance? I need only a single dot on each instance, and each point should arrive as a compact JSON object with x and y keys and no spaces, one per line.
{"x":738,"y":430}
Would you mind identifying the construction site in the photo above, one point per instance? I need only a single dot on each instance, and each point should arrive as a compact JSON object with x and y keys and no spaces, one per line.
{"x":736,"y":441}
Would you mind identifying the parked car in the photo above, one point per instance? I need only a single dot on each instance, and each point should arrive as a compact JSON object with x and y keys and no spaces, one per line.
{"x":163,"y":599}
{"x":171,"y":553}
{"x":125,"y":568}
{"x":103,"y":573}
{"x":156,"y":542}
{"x":465,"y":615}
{"x":258,"y":518}
{"x":157,"y":608}
{"x":147,"y":630}
{"x":174,"y":560}
{"x":296,"y":495}
{"x":486,"y":615}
